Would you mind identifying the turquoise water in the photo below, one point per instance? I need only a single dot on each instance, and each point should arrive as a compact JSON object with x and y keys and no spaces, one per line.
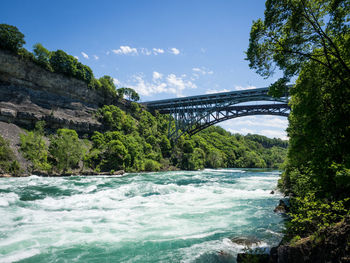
{"x":151,"y":217}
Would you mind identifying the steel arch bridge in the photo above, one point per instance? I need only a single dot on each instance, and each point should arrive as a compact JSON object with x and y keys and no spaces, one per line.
{"x":195,"y":113}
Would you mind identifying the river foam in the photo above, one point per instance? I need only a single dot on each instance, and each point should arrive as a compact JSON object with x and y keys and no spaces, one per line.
{"x":152,"y":217}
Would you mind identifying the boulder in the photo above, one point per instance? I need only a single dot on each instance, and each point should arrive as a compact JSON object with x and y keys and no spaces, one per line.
{"x":282,"y":208}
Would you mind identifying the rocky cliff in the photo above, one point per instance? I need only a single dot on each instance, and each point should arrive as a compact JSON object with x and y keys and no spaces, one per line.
{"x":29,"y":93}
{"x":329,"y":245}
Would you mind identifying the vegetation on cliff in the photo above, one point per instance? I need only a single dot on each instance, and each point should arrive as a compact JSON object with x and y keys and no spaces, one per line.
{"x":12,"y":40}
{"x":311,"y":40}
{"x":8,"y":164}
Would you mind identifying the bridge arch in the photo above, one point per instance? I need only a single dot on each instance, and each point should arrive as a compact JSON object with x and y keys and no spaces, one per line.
{"x":193,"y":114}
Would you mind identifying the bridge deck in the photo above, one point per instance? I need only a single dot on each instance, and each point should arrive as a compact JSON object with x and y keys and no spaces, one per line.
{"x":215,"y":98}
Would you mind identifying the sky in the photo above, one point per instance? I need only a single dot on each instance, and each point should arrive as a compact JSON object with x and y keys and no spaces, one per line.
{"x":161,"y":48}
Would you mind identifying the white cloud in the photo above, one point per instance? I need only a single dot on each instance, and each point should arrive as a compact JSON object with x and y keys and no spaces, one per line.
{"x":262,"y":121}
{"x":171,"y":84}
{"x":107,"y":53}
{"x":116,"y":82}
{"x":85,"y":55}
{"x":145,"y":88}
{"x":125,"y":50}
{"x":268,"y":133}
{"x":274,"y":134}
{"x":244,"y":88}
{"x":76,"y":57}
{"x":146,"y":52}
{"x":202,"y":70}
{"x":203,"y":50}
{"x":241,"y":131}
{"x":157,"y":51}
{"x":211,"y":91}
{"x":157,"y":75}
{"x":174,"y":51}
{"x":270,"y":126}
{"x":96,"y":57}
{"x":178,"y":84}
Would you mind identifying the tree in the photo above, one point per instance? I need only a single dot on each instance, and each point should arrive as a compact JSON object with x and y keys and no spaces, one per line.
{"x":83,"y":72}
{"x":107,"y":86}
{"x":115,"y":155}
{"x":11,"y":38}
{"x":311,"y":40}
{"x":130,"y":93}
{"x":66,"y":149}
{"x":42,"y":56}
{"x":61,"y":62}
{"x":295,"y":32}
{"x":35,"y":148}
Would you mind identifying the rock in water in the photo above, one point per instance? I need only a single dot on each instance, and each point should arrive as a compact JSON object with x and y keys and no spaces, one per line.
{"x":282,"y":208}
{"x":246,"y":241}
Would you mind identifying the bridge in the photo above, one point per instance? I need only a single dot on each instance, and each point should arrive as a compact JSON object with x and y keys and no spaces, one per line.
{"x":195,"y":113}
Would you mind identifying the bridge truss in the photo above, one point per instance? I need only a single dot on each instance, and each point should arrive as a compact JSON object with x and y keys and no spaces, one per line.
{"x":193,"y":114}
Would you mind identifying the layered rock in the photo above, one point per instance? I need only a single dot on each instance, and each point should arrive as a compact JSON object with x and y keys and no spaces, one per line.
{"x":29,"y":93}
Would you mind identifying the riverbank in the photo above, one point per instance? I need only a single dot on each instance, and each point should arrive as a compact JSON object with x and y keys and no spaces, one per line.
{"x":331,"y":244}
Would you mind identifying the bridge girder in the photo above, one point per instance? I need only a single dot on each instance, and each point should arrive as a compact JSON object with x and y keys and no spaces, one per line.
{"x":181,"y":122}
{"x":193,"y":114}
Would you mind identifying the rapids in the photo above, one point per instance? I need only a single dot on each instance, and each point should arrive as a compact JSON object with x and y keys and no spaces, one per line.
{"x":148,"y":217}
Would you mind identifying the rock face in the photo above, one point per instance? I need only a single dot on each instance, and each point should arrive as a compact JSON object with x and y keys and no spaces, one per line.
{"x":330,"y":245}
{"x":29,"y":93}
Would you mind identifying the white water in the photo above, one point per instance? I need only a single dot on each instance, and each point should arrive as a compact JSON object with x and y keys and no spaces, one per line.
{"x":154,"y":217}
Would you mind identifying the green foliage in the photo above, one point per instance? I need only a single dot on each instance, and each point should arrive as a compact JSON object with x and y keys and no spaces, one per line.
{"x":319,"y":132}
{"x":267,"y":142}
{"x":8,"y":164}
{"x":309,"y":214}
{"x":151,"y":165}
{"x":35,"y":149}
{"x":42,"y":56}
{"x":296,"y":32}
{"x":311,"y":40}
{"x":129,"y":93}
{"x":66,"y":149}
{"x":61,"y":62}
{"x":11,"y":38}
{"x":106,"y":85}
{"x":144,"y":137}
{"x":66,"y":64}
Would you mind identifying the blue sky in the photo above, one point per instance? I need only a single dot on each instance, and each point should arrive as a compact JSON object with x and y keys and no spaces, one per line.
{"x":161,"y":48}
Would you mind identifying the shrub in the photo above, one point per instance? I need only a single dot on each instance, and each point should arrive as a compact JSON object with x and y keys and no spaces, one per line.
{"x":309,"y":214}
{"x":11,"y":38}
{"x":34,"y":147}
{"x":151,"y":165}
{"x":7,"y":162}
{"x":66,"y":149}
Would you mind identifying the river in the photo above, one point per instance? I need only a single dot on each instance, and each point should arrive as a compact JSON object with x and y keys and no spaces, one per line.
{"x":148,"y":217}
